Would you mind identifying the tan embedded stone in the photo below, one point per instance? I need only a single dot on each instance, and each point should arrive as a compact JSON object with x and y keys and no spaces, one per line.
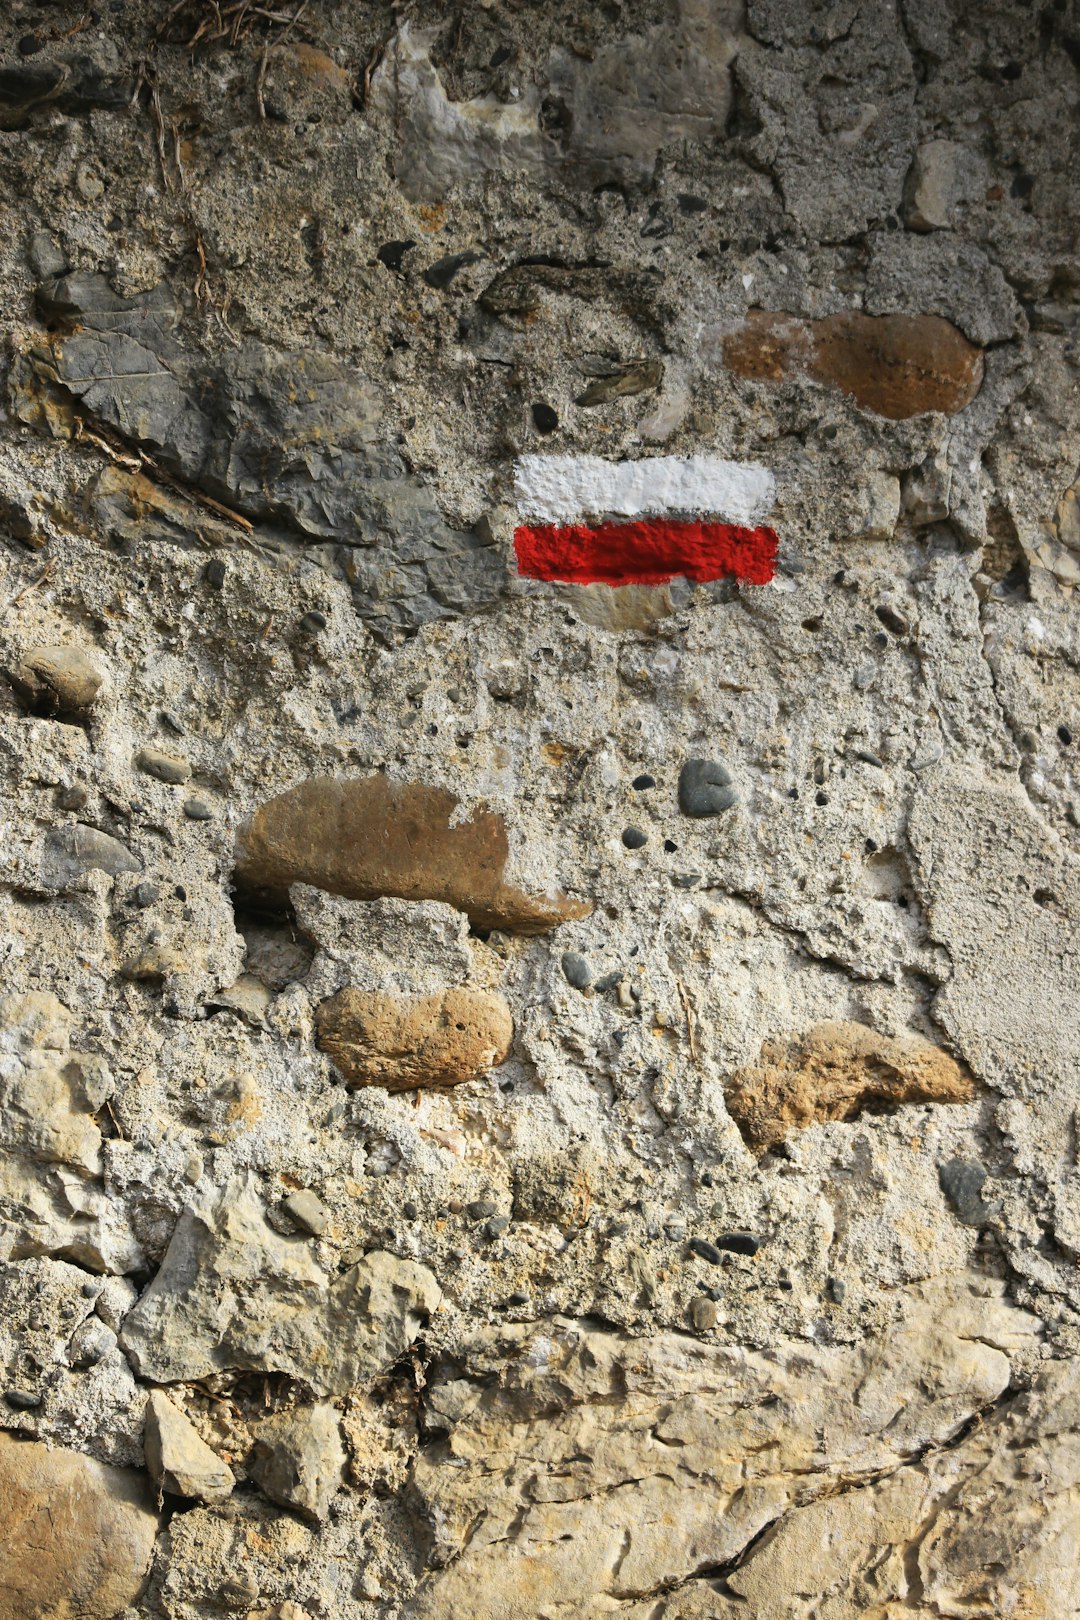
{"x":64,"y":680}
{"x":401,"y":1042}
{"x":371,"y":838}
{"x":179,"y":1459}
{"x":77,"y":1535}
{"x":894,"y":365}
{"x":836,"y":1072}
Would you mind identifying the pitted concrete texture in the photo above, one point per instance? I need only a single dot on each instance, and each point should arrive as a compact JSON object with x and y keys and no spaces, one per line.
{"x":522,"y":1095}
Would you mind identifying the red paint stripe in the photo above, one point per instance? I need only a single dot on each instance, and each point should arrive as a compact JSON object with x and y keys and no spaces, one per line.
{"x":649,"y":551}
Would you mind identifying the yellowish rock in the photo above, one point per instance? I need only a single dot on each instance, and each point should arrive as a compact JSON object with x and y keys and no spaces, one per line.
{"x":403,"y":1042}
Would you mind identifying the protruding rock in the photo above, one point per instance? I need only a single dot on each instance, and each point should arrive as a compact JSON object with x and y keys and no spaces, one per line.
{"x":75,"y":849}
{"x":945,"y":177}
{"x":894,"y":365}
{"x":402,"y":1042}
{"x":836,"y":1072}
{"x":705,"y":788}
{"x":233,"y":1294}
{"x":371,"y":837}
{"x":299,"y":1460}
{"x":78,"y":1535}
{"x":59,"y":680}
{"x":166,"y":767}
{"x":179,"y":1459}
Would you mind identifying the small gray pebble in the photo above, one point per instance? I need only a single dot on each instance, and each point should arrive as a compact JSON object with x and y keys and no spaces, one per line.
{"x":307,"y":1211}
{"x":143,"y":895}
{"x":22,"y":1400}
{"x":634,"y":838}
{"x":170,"y":768}
{"x":686,"y":880}
{"x":576,"y":970}
{"x":313,"y":622}
{"x":836,"y":1290}
{"x":496,"y":1226}
{"x":705,"y":1251}
{"x":740,"y":1242}
{"x":214,"y":573}
{"x":197,"y":810}
{"x":705,"y":788}
{"x":864,"y":677}
{"x":867,"y":757}
{"x":608,"y":982}
{"x":73,"y":797}
{"x":480,"y":1209}
{"x":962,"y":1181}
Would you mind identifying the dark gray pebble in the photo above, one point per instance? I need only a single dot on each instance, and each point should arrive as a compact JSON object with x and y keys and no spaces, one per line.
{"x":409,"y":1210}
{"x":705,"y":788}
{"x":962,"y":1182}
{"x":686,"y":880}
{"x":22,"y":1400}
{"x":867,"y":757}
{"x":640,"y":783}
{"x":496,"y":1226}
{"x":197,"y":810}
{"x":576,"y":970}
{"x":634,"y":838}
{"x":480,"y":1209}
{"x":313,"y":622}
{"x":740,"y":1242}
{"x":608,"y":982}
{"x":836,"y":1290}
{"x":705,"y":1251}
{"x":1065,"y":735}
{"x":143,"y":895}
{"x":214,"y":573}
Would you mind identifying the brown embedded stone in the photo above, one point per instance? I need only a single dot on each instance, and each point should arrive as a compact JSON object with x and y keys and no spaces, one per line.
{"x":402,"y":1042}
{"x":836,"y":1072}
{"x":77,"y":1536}
{"x":58,"y":680}
{"x":374,"y":838}
{"x":895,"y":365}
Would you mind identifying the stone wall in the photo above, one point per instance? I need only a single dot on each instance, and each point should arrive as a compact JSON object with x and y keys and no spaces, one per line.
{"x":539,"y":1098}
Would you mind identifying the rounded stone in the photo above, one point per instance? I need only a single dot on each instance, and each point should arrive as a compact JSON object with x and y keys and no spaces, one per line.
{"x":576,"y":970}
{"x":402,"y":1042}
{"x":705,"y":788}
{"x":78,"y":1535}
{"x":59,"y":680}
{"x":634,"y":838}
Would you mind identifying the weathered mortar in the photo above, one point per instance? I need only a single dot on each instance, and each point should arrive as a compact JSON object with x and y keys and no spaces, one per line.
{"x":720,"y":1256}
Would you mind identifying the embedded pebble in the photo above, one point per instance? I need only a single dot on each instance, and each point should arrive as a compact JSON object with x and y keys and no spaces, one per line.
{"x":962,"y":1182}
{"x":705,"y":788}
{"x":576,"y":970}
{"x":705,"y":1250}
{"x":197,"y":810}
{"x":634,"y":838}
{"x":739,"y":1242}
{"x":171,"y":768}
{"x":307,"y":1211}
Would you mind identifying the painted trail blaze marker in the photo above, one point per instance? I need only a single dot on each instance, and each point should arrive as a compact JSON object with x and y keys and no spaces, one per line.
{"x":589,"y":521}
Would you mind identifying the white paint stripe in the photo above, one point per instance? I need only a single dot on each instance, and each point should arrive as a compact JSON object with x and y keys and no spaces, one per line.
{"x":561,"y":489}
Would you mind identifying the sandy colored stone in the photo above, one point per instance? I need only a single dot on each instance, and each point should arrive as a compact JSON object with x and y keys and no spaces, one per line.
{"x":836,"y":1072}
{"x":371,"y":837}
{"x":234,"y":1294}
{"x":77,"y":1534}
{"x":894,"y":365}
{"x":583,"y":1469}
{"x":379,"y":1039}
{"x":179,"y":1459}
{"x":59,"y":680}
{"x":299,"y":1460}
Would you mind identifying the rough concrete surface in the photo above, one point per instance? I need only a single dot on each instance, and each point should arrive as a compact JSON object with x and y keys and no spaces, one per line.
{"x":529,"y":1100}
